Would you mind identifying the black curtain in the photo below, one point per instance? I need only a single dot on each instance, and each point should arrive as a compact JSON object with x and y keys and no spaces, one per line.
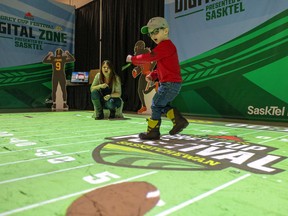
{"x":121,"y":24}
{"x":87,"y":36}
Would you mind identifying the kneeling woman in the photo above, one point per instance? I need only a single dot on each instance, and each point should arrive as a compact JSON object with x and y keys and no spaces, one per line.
{"x":106,"y":91}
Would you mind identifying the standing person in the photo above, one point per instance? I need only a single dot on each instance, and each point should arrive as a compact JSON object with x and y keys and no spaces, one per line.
{"x":106,"y":91}
{"x":167,"y":73}
{"x":58,"y":63}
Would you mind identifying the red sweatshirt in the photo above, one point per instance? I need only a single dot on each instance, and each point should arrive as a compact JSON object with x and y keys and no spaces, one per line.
{"x":168,"y":68}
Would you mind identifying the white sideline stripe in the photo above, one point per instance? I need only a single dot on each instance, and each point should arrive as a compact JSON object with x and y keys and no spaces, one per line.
{"x":42,"y":158}
{"x":195,"y":199}
{"x":44,"y":174}
{"x":68,"y":196}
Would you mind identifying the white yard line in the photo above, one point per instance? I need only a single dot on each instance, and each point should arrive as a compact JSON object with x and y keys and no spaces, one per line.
{"x":59,"y":130}
{"x":31,"y":127}
{"x":268,"y":140}
{"x":48,"y":132}
{"x":99,"y":133}
{"x":85,"y":127}
{"x":208,"y":127}
{"x":25,"y":208}
{"x":51,"y":146}
{"x":44,"y":174}
{"x":69,"y":137}
{"x":195,"y":199}
{"x":252,"y":132}
{"x":42,"y":158}
{"x":226,"y":128}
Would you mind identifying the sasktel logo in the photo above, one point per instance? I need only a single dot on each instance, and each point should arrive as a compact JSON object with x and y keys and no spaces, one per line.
{"x":188,"y":152}
{"x":267,"y":111}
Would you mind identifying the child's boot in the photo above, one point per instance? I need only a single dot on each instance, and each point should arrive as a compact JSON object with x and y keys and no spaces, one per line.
{"x":153,"y":130}
{"x":179,"y":122}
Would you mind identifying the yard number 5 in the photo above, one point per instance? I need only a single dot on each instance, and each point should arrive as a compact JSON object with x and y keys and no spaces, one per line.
{"x":100,"y":178}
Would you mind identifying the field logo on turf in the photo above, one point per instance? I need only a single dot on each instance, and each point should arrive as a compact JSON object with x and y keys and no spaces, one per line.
{"x":187,"y":152}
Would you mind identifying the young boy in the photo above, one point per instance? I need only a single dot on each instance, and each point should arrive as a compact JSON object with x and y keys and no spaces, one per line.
{"x":167,"y":73}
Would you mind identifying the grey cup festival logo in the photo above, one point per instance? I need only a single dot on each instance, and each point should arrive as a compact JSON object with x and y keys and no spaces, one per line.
{"x":188,"y":152}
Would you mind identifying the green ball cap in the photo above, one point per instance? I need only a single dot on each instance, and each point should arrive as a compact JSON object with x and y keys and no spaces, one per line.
{"x":155,"y":22}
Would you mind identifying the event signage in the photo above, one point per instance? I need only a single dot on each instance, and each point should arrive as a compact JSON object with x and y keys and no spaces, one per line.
{"x":233,"y":56}
{"x":29,"y":29}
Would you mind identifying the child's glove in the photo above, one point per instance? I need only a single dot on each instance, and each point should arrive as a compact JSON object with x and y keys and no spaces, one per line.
{"x":128,"y":58}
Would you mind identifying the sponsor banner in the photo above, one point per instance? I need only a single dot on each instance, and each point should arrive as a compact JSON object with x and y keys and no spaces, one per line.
{"x":29,"y":30}
{"x":233,"y":56}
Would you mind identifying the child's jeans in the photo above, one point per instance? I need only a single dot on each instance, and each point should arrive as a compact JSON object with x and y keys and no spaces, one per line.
{"x":161,"y":101}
